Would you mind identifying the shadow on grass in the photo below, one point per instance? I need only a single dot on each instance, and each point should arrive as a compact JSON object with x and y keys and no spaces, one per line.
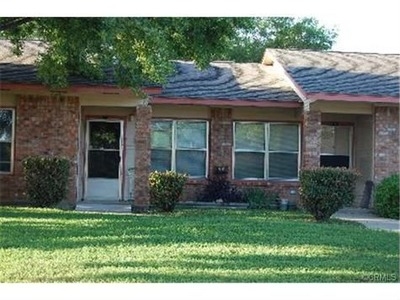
{"x":240,"y":268}
{"x":346,"y":250}
{"x":53,"y":229}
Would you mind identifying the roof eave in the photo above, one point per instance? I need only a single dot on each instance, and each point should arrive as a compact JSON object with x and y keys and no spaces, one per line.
{"x":352,"y":98}
{"x":77,"y":89}
{"x":225,"y":102}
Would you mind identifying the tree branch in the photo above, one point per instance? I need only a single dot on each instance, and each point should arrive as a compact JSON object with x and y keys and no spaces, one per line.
{"x":12,"y":23}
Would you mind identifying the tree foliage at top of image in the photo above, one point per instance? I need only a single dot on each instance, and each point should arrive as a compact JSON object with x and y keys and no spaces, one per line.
{"x":138,"y":49}
{"x":141,"y":50}
{"x":279,"y":32}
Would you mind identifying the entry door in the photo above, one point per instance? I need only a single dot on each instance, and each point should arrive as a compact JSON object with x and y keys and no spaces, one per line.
{"x":103,"y":157}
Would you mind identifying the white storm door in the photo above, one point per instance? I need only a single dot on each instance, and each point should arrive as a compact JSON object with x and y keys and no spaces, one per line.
{"x":103,"y":157}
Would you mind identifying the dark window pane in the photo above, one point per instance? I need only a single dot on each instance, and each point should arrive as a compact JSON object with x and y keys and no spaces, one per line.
{"x":192,"y":163}
{"x":334,"y":161}
{"x":161,"y":134}
{"x":283,"y":137}
{"x":5,"y":125}
{"x":249,"y":165}
{"x":5,"y":167}
{"x":5,"y":152}
{"x":104,"y":135}
{"x":103,"y":164}
{"x":283,"y":165}
{"x":160,"y":160}
{"x":250,"y":136}
{"x":191,"y":135}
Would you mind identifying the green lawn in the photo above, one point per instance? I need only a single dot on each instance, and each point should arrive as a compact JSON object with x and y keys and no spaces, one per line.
{"x":41,"y":245}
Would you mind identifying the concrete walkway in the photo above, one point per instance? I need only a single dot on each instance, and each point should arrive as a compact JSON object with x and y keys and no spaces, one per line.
{"x":361,"y":215}
{"x":115,"y":207}
{"x":366,"y":217}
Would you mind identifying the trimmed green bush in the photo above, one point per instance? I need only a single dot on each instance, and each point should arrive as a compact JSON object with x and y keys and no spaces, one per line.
{"x":260,"y":199}
{"x":387,"y":197}
{"x":323,"y":191}
{"x":165,"y":189}
{"x":46,"y":179}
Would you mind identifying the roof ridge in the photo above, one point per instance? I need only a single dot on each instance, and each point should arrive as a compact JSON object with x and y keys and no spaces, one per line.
{"x":329,"y":51}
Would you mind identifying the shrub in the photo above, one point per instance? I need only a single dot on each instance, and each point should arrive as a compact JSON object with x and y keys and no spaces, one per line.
{"x":220,"y":188}
{"x":46,"y":179}
{"x":323,"y":191}
{"x":387,"y":197}
{"x":165,"y":189}
{"x":260,"y":199}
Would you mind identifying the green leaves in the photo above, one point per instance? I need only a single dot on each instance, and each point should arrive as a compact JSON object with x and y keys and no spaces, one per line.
{"x":138,"y":50}
{"x":278,"y":32}
{"x":166,"y":188}
{"x":260,"y":199}
{"x":387,"y":197}
{"x":46,"y":179}
{"x":323,"y":191}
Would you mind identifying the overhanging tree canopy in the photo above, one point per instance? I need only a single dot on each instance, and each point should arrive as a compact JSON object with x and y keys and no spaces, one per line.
{"x":138,"y":49}
{"x":278,"y":32}
{"x":141,"y":49}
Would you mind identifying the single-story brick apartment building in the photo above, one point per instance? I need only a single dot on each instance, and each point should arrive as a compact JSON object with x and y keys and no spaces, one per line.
{"x":262,"y":122}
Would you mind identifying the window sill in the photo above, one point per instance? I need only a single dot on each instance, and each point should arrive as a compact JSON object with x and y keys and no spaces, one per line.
{"x":266,"y":181}
{"x":197,"y":181}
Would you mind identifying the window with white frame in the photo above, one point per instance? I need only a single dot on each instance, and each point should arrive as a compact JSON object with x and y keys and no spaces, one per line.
{"x":266,"y":150}
{"x":180,"y":145}
{"x":6,"y":139}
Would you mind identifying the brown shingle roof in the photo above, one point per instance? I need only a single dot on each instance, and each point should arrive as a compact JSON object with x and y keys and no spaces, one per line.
{"x":228,"y":80}
{"x":222,"y":80}
{"x":370,"y":74}
{"x":21,"y":69}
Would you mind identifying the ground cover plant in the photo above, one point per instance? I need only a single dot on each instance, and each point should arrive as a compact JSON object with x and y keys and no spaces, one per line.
{"x":216,"y":245}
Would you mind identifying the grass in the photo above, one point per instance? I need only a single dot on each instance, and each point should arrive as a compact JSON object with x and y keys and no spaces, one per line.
{"x":44,"y":245}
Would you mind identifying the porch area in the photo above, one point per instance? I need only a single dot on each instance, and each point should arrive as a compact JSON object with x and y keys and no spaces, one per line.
{"x":113,"y":146}
{"x":362,"y":136}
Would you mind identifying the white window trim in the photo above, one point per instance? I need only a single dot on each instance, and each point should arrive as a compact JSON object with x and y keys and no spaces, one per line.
{"x":266,"y":150}
{"x":174,"y":147}
{"x":12,"y":140}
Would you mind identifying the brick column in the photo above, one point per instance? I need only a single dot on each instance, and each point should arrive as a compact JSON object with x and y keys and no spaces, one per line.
{"x":311,"y":139}
{"x":386,"y":142}
{"x":142,"y":158}
{"x":221,"y":140}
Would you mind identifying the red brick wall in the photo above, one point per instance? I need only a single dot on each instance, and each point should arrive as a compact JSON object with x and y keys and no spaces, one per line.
{"x":45,"y":125}
{"x":285,"y":189}
{"x":142,"y":157}
{"x":193,"y":189}
{"x":386,"y":142}
{"x":311,"y":139}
